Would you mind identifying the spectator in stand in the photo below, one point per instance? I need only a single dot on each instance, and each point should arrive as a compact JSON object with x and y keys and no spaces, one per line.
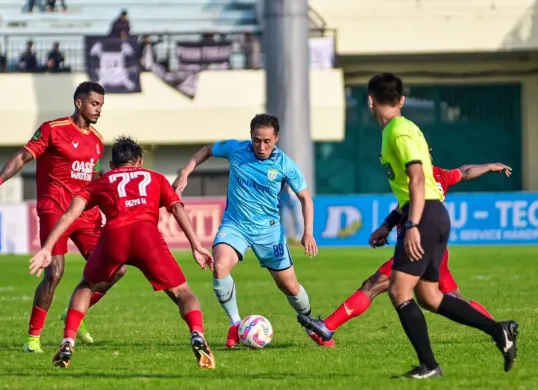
{"x":30,"y":4}
{"x":28,"y":60}
{"x":43,"y":5}
{"x":120,"y":27}
{"x":55,"y":60}
{"x":3,"y":62}
{"x":50,"y":5}
{"x":252,"y":49}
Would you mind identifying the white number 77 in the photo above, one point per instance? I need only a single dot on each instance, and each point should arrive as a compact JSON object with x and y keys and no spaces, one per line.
{"x":126,"y":177}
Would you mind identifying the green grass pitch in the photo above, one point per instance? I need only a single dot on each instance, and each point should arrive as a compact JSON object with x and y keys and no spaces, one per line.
{"x":141,"y":343}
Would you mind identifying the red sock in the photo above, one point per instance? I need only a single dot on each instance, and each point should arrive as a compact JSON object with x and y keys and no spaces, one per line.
{"x":96,"y":297}
{"x":72,"y":323}
{"x":481,"y":309}
{"x":353,"y":307}
{"x":37,"y":321}
{"x":195,"y":321}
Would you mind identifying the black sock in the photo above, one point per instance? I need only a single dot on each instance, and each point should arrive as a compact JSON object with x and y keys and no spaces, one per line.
{"x":415,"y":327}
{"x":461,"y":312}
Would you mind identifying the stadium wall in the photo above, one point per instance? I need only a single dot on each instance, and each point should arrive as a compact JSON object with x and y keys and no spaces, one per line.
{"x":431,"y":26}
{"x":341,"y":221}
{"x":225,"y":103}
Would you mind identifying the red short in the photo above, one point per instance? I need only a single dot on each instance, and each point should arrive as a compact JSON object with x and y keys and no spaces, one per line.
{"x":139,"y":244}
{"x":84,"y":233}
{"x":446,"y":280}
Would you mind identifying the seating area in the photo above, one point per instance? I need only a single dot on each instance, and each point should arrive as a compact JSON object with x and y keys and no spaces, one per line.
{"x":176,"y":20}
{"x":146,"y":16}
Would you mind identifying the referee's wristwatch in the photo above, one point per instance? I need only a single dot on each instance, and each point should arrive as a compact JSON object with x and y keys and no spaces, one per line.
{"x":409,"y":225}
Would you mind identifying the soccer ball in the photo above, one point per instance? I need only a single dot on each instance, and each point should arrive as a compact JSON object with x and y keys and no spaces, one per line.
{"x":255,"y":331}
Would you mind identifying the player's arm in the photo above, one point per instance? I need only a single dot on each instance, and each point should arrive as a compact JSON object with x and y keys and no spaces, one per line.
{"x":33,"y":149}
{"x":200,"y":157}
{"x":218,"y":149}
{"x":296,"y":181}
{"x":200,"y":254}
{"x":184,"y":222}
{"x":307,"y":207}
{"x":470,"y":172}
{"x":379,"y":236}
{"x":15,"y":164}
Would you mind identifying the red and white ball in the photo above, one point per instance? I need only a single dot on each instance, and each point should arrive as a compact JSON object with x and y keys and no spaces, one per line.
{"x":255,"y":331}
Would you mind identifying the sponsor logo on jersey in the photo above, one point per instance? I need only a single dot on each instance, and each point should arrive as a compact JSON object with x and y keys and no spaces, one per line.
{"x":82,"y":170}
{"x":252,"y":184}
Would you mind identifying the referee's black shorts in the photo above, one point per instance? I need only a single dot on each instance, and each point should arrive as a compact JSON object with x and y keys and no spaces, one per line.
{"x":434,"y":228}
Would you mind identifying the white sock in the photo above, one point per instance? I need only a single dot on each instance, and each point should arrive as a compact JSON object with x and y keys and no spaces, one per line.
{"x":300,"y":302}
{"x":72,"y":341}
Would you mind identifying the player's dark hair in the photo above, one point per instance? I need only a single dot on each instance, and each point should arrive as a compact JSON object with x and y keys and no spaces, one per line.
{"x":87,"y":87}
{"x":386,"y":88}
{"x":265,"y":120}
{"x":125,"y":150}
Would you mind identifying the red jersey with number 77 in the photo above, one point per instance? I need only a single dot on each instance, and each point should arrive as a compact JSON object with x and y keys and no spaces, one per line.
{"x":129,"y":194}
{"x":66,"y":159}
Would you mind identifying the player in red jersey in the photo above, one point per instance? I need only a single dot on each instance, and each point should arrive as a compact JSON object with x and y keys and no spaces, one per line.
{"x":378,"y":283}
{"x":130,"y":198}
{"x":67,"y":153}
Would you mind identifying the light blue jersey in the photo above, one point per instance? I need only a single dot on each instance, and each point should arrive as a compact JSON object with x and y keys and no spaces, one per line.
{"x":252,"y":215}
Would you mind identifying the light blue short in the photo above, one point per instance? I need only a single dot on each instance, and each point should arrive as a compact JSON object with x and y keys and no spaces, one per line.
{"x":271,"y":247}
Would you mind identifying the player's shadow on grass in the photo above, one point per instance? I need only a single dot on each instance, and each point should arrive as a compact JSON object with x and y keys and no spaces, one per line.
{"x":206,"y":375}
{"x":109,"y":344}
{"x":245,"y":349}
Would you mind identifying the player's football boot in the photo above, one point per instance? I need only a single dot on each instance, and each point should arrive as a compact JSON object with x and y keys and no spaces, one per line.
{"x":33,"y":345}
{"x":421,"y":372}
{"x":319,"y":341}
{"x":316,"y":326}
{"x":83,"y":333}
{"x":204,"y":356}
{"x":509,"y":345}
{"x":62,"y":358}
{"x":233,"y":336}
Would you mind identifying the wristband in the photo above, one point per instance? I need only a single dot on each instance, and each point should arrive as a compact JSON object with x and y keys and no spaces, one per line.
{"x":393,"y":219}
{"x":1,"y":181}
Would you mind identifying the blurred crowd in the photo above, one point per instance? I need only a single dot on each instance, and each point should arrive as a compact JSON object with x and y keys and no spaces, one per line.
{"x":44,"y":5}
{"x":53,"y":60}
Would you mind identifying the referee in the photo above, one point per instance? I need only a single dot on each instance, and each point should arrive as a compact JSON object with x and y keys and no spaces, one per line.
{"x":423,"y":239}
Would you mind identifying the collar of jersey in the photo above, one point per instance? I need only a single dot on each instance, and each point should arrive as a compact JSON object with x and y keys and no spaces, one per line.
{"x":273,"y":155}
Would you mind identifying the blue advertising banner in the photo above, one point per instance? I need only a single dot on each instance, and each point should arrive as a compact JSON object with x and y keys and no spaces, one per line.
{"x":477,"y":219}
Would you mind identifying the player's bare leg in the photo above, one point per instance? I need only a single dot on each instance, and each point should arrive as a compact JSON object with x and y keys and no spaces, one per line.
{"x":354,"y":306}
{"x":43,"y":297}
{"x":78,"y":306}
{"x":504,"y":333}
{"x":189,"y":308}
{"x":98,"y":292}
{"x":286,"y":281}
{"x":225,"y":258}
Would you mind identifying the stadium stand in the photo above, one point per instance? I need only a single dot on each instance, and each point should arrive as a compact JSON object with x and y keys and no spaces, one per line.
{"x":172,"y":20}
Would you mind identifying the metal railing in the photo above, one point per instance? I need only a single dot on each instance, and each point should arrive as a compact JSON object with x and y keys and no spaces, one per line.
{"x":73,"y":48}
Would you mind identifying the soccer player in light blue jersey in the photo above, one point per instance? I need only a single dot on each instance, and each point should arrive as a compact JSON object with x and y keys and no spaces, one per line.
{"x":258,"y":170}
